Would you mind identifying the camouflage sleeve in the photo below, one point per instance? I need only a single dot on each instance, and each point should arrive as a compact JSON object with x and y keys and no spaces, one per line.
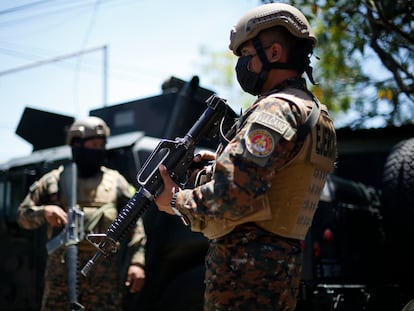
{"x":246,"y":167}
{"x":42,"y":192}
{"x":138,"y":238}
{"x":137,"y":244}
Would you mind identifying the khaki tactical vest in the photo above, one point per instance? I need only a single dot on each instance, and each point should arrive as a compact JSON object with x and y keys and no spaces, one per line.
{"x":97,"y":198}
{"x":288,"y":207}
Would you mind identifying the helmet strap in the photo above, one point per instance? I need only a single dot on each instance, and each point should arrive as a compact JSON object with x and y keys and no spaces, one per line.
{"x":309,"y":73}
{"x":266,"y":64}
{"x":265,"y":69}
{"x":276,"y":65}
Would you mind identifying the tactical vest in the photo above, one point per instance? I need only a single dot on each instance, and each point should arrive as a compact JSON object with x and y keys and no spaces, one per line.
{"x":288,"y":207}
{"x":97,"y":198}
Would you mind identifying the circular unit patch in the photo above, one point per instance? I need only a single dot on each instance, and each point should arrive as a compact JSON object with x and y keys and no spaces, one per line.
{"x":260,"y":143}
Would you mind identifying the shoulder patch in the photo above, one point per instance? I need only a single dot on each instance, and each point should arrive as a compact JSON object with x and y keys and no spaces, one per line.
{"x":260,"y":142}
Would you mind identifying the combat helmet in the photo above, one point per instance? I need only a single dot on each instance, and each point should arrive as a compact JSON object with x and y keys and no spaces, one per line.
{"x":267,"y":16}
{"x":89,"y":127}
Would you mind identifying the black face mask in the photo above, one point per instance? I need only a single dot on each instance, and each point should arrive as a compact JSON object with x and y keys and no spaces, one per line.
{"x":89,"y":161}
{"x":249,"y":81}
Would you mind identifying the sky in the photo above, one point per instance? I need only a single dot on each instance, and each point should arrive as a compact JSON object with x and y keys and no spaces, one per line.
{"x":72,"y":56}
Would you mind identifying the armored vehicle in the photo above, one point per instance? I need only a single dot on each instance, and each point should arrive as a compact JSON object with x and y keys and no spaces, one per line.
{"x":352,"y":254}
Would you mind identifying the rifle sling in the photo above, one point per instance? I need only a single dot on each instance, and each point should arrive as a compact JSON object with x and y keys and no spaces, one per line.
{"x":96,"y":217}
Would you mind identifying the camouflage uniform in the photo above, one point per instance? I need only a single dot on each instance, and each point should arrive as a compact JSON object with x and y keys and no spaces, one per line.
{"x":102,"y":290}
{"x":250,"y":267}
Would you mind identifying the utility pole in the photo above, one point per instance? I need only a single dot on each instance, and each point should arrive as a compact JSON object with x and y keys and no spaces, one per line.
{"x":104,"y":50}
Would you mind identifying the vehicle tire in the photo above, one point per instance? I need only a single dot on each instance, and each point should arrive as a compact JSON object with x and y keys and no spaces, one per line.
{"x":397,"y":204}
{"x":409,"y":306}
{"x":398,"y":177}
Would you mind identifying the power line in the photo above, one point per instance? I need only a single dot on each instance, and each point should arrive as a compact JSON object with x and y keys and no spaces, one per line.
{"x":23,"y":7}
{"x":50,"y":60}
{"x":62,"y":57}
{"x":119,"y":70}
{"x":67,"y":7}
{"x":83,"y":44}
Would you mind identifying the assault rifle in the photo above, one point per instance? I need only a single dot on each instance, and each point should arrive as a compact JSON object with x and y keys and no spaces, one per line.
{"x":71,"y":234}
{"x":177,"y":155}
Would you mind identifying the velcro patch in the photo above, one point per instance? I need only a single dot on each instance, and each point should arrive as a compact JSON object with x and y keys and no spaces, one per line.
{"x":260,"y":142}
{"x":275,"y":123}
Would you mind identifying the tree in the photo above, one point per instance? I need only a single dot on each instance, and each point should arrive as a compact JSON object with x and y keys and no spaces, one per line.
{"x":218,"y":67}
{"x":366,"y":50}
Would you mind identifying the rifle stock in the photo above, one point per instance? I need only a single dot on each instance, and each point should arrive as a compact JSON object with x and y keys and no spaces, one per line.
{"x":177,"y":155}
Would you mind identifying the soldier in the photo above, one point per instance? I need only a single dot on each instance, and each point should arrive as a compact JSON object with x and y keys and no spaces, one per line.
{"x":101,"y":192}
{"x":266,"y":181}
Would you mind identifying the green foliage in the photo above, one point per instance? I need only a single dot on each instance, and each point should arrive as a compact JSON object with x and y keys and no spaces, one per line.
{"x":363,"y":61}
{"x":366,"y":52}
{"x":218,"y":68}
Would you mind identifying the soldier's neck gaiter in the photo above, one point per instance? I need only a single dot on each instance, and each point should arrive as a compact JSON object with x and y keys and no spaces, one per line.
{"x":89,"y":161}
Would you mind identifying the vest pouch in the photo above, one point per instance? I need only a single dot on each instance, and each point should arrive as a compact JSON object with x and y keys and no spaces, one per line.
{"x":293,"y":202}
{"x":214,"y":228}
